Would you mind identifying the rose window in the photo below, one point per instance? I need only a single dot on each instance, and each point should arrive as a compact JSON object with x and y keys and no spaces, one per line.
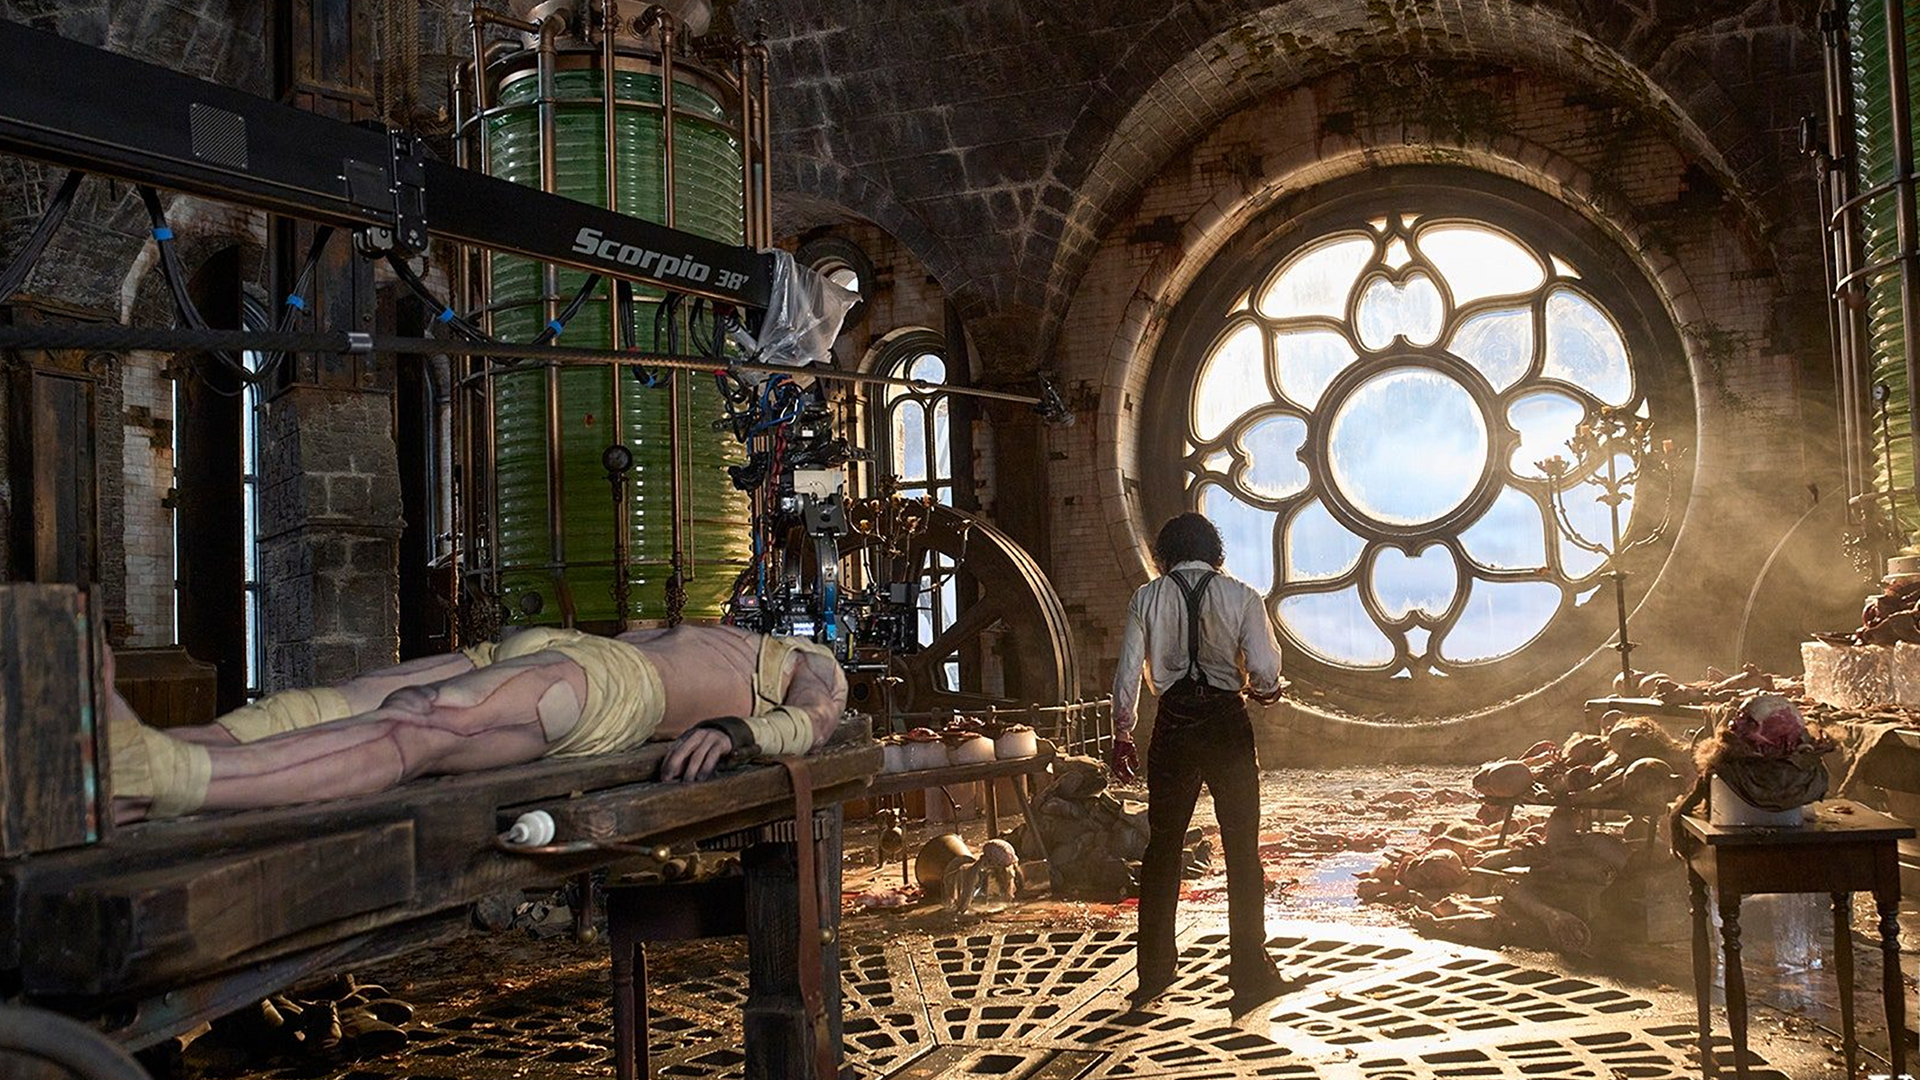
{"x":1364,"y":430}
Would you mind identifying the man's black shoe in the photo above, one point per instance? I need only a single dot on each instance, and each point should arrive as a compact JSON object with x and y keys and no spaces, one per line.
{"x":1264,"y":989}
{"x":1147,"y":991}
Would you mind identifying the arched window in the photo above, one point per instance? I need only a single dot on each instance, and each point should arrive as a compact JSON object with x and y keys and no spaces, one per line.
{"x":1365,"y":405}
{"x":916,"y":421}
{"x":914,"y":439}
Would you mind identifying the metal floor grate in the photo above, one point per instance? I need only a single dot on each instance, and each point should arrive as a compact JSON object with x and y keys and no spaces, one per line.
{"x":1040,"y":1004}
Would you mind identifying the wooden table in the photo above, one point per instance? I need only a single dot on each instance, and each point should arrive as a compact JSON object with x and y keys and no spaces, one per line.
{"x":171,"y":923}
{"x":1843,"y":848}
{"x":988,"y":771}
{"x":1690,"y":716}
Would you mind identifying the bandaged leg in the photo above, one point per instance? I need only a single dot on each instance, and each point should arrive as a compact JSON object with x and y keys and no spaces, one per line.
{"x":506,"y":713}
{"x":288,"y":710}
{"x":296,"y":710}
{"x":149,"y":766}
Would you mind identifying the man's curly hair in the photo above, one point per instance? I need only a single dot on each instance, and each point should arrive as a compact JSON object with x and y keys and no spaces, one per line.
{"x":1187,"y":537}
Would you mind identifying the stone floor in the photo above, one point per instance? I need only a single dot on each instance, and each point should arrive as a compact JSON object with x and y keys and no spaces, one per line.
{"x":1037,"y":990}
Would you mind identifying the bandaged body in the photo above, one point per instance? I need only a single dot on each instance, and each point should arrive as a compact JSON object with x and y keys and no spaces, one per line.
{"x":541,"y":692}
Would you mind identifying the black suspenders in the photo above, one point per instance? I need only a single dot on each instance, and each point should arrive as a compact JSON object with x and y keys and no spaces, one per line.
{"x":1194,"y":594}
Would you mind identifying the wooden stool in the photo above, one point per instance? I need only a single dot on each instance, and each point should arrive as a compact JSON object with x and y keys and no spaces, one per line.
{"x":1843,"y":848}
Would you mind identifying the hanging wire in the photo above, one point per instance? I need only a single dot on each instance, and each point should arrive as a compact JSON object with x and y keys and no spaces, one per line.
{"x":465,"y":327}
{"x":189,"y":312}
{"x":15,"y":275}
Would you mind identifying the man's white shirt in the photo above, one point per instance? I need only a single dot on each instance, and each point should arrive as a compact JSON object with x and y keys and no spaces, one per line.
{"x":1236,"y":639}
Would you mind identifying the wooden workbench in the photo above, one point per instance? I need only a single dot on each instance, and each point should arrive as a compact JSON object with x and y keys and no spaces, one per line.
{"x":171,"y":923}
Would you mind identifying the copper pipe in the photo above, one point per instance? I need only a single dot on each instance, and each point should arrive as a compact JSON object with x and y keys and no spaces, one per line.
{"x":749,"y":214}
{"x":666,"y":118}
{"x":459,"y":368}
{"x":556,"y":438}
{"x":764,"y":116}
{"x":610,"y":139}
{"x":482,"y":156}
{"x":676,"y":493}
{"x":1842,"y":250}
{"x":610,"y":149}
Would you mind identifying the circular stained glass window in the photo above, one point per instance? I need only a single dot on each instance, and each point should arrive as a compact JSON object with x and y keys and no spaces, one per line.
{"x":1364,"y":425}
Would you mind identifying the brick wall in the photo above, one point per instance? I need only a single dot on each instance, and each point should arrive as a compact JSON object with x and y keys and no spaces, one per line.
{"x":1000,"y":139}
{"x":329,"y":535}
{"x":147,"y":475}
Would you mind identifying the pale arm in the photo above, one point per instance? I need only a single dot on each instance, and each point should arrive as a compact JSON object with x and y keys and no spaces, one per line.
{"x":1259,"y":652}
{"x":811,"y":708}
{"x":1126,"y":678}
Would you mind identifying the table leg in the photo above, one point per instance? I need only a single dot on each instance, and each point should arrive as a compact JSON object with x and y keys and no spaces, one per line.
{"x":583,"y":916}
{"x":1888,"y":903}
{"x":1506,"y":822}
{"x":1843,"y":967}
{"x":1033,"y":824}
{"x":1736,"y":980}
{"x":1702,"y":973}
{"x":630,"y":1048}
{"x":993,"y":811}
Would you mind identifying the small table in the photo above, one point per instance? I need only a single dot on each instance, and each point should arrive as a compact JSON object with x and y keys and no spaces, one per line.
{"x":1842,"y":848}
{"x":981,"y":771}
{"x":1693,"y":716}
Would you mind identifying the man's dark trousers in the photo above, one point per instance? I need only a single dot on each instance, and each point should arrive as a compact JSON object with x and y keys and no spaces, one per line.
{"x":1207,"y":739}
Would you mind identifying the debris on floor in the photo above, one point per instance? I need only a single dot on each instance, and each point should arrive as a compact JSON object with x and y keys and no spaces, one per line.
{"x":1533,"y":866}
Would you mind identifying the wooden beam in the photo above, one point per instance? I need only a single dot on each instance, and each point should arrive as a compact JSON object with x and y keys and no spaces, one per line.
{"x":53,"y":794}
{"x":167,"y":924}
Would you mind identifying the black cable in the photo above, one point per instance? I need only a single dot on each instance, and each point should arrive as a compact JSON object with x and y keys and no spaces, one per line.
{"x":296,"y":301}
{"x":630,"y":332}
{"x":451,"y":318}
{"x":189,"y":312}
{"x":465,"y":328}
{"x":176,"y":279}
{"x":553,"y":329}
{"x":16,"y":272}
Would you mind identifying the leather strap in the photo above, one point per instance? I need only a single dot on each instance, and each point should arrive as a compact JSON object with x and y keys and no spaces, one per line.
{"x":1194,"y":594}
{"x":745,"y":747}
{"x":813,"y":975}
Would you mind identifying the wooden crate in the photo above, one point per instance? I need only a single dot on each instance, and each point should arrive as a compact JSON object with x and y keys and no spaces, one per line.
{"x":53,"y":741}
{"x":166,"y":687}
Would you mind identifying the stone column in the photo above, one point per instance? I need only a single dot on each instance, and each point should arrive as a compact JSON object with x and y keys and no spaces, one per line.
{"x":329,"y":535}
{"x":330,"y":479}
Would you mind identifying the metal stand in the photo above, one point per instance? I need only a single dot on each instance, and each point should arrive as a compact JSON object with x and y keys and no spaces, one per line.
{"x":1609,"y":436}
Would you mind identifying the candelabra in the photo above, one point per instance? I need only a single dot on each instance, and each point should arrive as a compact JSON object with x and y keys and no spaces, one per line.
{"x":1610,"y":436}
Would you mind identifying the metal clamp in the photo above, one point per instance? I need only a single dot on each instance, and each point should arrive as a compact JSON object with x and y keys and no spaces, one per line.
{"x":409,"y":176}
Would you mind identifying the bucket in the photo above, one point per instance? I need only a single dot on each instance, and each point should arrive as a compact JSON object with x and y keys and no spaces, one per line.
{"x":1731,"y":809}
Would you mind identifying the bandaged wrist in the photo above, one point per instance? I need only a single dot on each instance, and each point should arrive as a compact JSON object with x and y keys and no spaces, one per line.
{"x":737,"y":732}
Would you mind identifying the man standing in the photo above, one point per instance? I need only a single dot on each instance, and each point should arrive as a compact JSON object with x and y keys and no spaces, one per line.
{"x":1204,"y":640}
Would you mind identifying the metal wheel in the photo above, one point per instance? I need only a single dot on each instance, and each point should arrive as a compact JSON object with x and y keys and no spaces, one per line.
{"x":1009,"y":635}
{"x":40,"y":1045}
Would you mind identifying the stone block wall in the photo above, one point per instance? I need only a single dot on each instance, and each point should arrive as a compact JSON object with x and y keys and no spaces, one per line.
{"x":329,"y":536}
{"x":1064,"y":182}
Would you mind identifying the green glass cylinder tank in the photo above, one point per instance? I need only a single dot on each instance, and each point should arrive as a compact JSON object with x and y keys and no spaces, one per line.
{"x":1873,"y":134}
{"x":599,"y":406}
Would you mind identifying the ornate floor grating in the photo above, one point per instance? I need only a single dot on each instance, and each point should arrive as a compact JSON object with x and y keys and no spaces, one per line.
{"x":1023,"y":1004}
